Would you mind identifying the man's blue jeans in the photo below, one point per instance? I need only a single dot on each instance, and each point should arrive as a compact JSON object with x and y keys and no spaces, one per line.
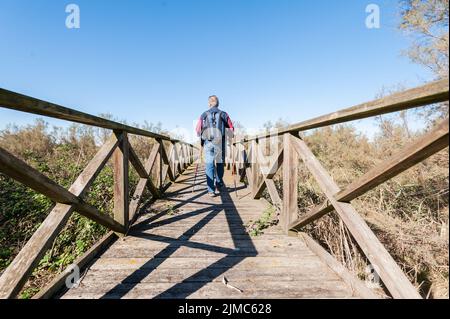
{"x":214,"y":158}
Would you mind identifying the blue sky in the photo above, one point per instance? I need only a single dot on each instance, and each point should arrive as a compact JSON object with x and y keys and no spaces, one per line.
{"x":159,"y":60}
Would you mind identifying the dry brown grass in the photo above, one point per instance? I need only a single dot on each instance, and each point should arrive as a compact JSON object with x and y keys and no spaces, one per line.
{"x":409,"y":214}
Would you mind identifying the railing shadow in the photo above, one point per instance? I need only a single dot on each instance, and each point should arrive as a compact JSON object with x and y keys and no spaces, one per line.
{"x":191,"y":284}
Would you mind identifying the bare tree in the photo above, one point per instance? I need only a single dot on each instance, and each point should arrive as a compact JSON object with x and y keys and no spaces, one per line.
{"x":427,"y":22}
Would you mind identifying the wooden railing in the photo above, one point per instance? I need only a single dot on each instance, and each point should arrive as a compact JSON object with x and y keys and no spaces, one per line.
{"x":247,"y":158}
{"x":118,"y":148}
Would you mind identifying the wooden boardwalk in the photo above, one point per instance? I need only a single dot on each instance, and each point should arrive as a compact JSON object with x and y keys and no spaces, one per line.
{"x":185,"y":245}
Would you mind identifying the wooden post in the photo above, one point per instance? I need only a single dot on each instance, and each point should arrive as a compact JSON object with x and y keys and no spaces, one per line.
{"x":182,"y":158}
{"x":229,"y":155}
{"x":232,"y":158}
{"x":247,"y":167}
{"x":290,"y":183}
{"x":185,"y":156}
{"x":240,"y":159}
{"x":255,"y":165}
{"x":121,"y":196}
{"x":161,"y":177}
{"x":155,"y":174}
{"x":175,"y":161}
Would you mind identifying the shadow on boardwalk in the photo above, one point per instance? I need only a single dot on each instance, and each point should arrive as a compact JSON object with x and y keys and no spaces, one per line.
{"x":196,"y":281}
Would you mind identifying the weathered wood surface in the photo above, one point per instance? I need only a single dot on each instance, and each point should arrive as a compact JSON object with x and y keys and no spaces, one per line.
{"x":290,"y":183}
{"x":183,"y":246}
{"x":349,"y":278}
{"x":121,"y":182}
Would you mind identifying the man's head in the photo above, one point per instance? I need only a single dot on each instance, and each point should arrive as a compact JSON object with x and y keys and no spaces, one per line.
{"x":213,"y":101}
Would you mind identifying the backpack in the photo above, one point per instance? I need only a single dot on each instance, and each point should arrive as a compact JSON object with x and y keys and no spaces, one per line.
{"x":213,"y":126}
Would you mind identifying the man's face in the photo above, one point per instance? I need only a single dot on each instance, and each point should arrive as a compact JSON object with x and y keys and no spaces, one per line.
{"x":212,"y":102}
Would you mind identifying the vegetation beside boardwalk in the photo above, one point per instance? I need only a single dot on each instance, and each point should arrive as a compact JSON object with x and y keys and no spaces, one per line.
{"x":61,"y":154}
{"x":409,"y":213}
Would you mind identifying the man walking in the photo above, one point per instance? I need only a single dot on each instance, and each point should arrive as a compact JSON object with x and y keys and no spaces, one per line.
{"x":213,"y":127}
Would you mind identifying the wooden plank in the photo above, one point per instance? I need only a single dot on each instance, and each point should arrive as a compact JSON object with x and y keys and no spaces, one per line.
{"x":202,"y":263}
{"x":351,"y":280}
{"x":277,"y":163}
{"x":412,"y":154}
{"x":121,"y":182}
{"x":290,"y":183}
{"x":156,"y":170}
{"x":136,"y":199}
{"x":167,"y":170}
{"x":210,"y":243}
{"x":271,"y":173}
{"x":247,"y":171}
{"x":176,"y":160}
{"x":255,"y":166}
{"x":25,"y":174}
{"x":217,"y":290}
{"x":173,"y":160}
{"x":186,"y":160}
{"x":20,"y":102}
{"x":59,"y":281}
{"x":316,"y":271}
{"x":181,"y":157}
{"x":174,"y":251}
{"x":431,"y":93}
{"x":137,"y":164}
{"x":151,"y":162}
{"x":16,"y":275}
{"x":274,"y":196}
{"x":98,"y":162}
{"x":312,"y":215}
{"x":391,"y":274}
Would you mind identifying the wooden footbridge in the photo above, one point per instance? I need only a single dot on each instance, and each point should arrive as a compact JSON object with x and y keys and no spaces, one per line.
{"x":185,"y":244}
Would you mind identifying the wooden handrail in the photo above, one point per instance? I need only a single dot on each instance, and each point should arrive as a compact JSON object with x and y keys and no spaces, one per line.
{"x":20,"y":102}
{"x":412,"y":154}
{"x":68,"y":201}
{"x":294,"y":148}
{"x":435,"y":92}
{"x":122,"y":153}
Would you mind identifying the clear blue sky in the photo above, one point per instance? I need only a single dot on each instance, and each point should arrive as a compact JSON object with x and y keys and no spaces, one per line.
{"x":159,"y":60}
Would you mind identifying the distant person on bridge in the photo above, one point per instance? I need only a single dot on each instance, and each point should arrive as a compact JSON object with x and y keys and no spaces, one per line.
{"x":213,"y":127}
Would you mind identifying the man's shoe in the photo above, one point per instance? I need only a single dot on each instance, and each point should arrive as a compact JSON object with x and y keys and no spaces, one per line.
{"x":212,"y":194}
